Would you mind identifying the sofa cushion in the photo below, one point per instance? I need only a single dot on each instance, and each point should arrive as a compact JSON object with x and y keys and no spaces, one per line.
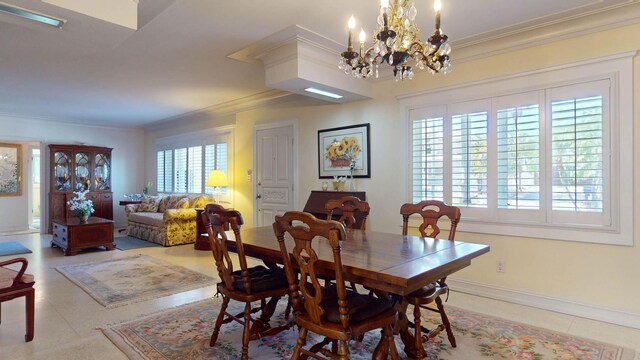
{"x":172,"y":202}
{"x":148,"y":218}
{"x":200,"y":201}
{"x":149,"y":204}
{"x":183,"y":203}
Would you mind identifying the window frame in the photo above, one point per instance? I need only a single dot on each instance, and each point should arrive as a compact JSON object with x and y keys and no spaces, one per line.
{"x":618,"y":70}
{"x":199,"y":139}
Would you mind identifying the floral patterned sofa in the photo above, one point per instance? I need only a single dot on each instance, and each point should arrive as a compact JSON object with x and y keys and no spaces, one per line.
{"x":166,"y":220}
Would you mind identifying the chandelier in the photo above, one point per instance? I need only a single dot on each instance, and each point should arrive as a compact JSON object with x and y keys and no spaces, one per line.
{"x":395,"y":42}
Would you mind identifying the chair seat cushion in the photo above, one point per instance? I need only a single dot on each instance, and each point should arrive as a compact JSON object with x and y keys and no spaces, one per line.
{"x":361,"y":306}
{"x":7,"y":276}
{"x":424,"y":291}
{"x":262,"y":279}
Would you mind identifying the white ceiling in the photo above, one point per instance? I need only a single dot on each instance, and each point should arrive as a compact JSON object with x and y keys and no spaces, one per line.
{"x":96,"y":72}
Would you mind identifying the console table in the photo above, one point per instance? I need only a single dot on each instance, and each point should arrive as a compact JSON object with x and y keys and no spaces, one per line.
{"x":72,"y":235}
{"x":317,"y":199}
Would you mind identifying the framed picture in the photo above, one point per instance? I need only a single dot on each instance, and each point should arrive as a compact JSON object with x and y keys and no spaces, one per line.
{"x":344,"y":150}
{"x":10,"y":169}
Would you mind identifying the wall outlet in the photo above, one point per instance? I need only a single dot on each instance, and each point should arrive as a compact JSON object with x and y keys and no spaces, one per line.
{"x":500,"y":265}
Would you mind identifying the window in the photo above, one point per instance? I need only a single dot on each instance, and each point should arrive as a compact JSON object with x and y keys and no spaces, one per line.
{"x":184,"y":168}
{"x":544,"y":162}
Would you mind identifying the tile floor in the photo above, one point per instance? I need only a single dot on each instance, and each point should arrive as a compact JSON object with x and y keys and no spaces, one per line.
{"x":67,"y":318}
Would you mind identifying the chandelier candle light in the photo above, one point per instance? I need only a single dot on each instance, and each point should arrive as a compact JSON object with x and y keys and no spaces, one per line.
{"x":395,"y":42}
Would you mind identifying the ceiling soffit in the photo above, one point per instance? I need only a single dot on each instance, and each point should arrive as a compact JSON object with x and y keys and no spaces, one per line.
{"x":296,"y":58}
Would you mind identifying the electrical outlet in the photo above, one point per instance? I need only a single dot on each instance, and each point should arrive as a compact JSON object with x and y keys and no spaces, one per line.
{"x":500,"y":265}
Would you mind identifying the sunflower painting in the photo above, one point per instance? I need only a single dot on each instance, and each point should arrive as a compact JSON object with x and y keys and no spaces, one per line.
{"x":343,"y":151}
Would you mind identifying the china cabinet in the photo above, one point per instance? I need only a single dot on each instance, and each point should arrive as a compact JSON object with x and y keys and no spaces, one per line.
{"x":79,"y":168}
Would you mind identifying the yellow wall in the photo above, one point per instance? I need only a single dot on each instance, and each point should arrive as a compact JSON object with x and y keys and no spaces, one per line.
{"x":597,"y":275}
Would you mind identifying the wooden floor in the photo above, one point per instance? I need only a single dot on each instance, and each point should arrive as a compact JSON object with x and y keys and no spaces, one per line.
{"x":67,"y":318}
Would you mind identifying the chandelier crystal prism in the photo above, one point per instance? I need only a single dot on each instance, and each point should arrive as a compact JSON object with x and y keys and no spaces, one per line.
{"x":396,"y":42}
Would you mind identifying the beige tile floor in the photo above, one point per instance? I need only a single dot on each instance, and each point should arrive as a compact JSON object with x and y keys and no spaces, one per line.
{"x":67,"y":318}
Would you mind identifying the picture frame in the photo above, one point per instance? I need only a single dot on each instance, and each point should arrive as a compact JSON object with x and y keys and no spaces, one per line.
{"x":10,"y":169}
{"x":340,"y":147}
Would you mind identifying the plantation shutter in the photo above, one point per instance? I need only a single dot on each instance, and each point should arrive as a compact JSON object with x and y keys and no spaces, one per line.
{"x":428,"y":159}
{"x":194,"y":168}
{"x":469,"y":159}
{"x":180,"y":170}
{"x":160,"y":171}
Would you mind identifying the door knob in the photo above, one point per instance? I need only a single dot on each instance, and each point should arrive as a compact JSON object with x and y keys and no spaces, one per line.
{"x":259,"y":196}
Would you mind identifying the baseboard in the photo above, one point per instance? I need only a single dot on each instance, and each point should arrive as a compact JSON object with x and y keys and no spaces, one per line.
{"x":608,"y":315}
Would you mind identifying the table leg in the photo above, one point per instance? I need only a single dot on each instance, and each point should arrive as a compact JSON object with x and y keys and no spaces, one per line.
{"x":402,"y":328}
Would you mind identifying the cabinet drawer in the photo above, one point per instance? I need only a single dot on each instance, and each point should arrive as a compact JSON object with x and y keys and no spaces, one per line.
{"x":60,"y":234}
{"x":93,"y":197}
{"x":106,"y":197}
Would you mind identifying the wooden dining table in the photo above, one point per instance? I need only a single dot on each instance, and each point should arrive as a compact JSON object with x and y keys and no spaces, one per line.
{"x":385,"y":262}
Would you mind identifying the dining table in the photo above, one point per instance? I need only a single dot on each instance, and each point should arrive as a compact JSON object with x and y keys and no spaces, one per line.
{"x":383,"y":262}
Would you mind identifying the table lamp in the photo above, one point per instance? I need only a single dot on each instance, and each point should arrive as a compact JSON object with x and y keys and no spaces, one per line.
{"x":216,"y":179}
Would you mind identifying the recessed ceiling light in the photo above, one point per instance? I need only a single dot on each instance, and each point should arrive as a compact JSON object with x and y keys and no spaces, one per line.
{"x":31,"y":15}
{"x":323,"y":93}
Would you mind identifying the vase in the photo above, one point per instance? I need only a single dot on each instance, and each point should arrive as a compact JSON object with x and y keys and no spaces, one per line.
{"x":83,"y":218}
{"x":351,"y":184}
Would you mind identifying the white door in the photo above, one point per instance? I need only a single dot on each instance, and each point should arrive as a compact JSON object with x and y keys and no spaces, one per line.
{"x":274,"y":173}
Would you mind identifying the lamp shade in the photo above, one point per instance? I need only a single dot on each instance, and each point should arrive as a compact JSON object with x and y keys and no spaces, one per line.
{"x":216,"y":178}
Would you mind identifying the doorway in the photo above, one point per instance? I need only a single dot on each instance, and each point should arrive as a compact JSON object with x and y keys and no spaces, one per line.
{"x":34,"y":187}
{"x":275,"y":171}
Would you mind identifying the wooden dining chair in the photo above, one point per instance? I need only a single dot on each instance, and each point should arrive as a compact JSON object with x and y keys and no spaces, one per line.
{"x":15,"y":284}
{"x":349,"y":206}
{"x":431,"y":211}
{"x":246,"y":285}
{"x":331,"y":311}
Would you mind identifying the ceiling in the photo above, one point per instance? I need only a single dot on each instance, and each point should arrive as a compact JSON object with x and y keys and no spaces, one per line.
{"x":96,"y":72}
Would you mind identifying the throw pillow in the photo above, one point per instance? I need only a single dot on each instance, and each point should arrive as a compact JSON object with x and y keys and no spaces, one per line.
{"x":149,"y":204}
{"x":183,"y":204}
{"x":172,"y":202}
{"x":201,"y":201}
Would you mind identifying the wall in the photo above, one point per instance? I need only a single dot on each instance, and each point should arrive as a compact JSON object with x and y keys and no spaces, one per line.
{"x":590,"y":279}
{"x":127,"y":159}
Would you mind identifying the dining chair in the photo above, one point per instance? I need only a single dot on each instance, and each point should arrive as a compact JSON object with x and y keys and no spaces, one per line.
{"x":246,"y":285}
{"x":331,"y":311}
{"x":15,"y":284}
{"x":432,"y":211}
{"x":349,"y":206}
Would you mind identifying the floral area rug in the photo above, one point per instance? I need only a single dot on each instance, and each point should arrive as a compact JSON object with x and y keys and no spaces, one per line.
{"x":132,"y":279}
{"x":184,"y":333}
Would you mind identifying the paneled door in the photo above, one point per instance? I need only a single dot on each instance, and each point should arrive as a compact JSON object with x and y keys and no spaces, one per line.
{"x":274,"y":173}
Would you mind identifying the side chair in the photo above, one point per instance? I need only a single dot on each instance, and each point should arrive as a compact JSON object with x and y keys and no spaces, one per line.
{"x":431,"y":212}
{"x":350,"y":206}
{"x":331,"y":311}
{"x":246,"y":285}
{"x":15,"y":284}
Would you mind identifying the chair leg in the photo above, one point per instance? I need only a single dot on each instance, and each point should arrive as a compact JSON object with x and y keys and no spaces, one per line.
{"x":216,"y":328}
{"x":30,"y":310}
{"x":302,"y":340}
{"x":418,"y":332}
{"x":445,"y":321}
{"x":343,"y":350}
{"x":246,"y":333}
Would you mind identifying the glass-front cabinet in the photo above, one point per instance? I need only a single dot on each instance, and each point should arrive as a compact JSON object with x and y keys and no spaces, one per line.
{"x":80,"y":168}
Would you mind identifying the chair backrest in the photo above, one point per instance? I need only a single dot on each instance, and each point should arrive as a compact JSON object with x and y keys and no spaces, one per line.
{"x":217,"y":216}
{"x":431,"y":211}
{"x":303,"y":228}
{"x":349,"y":205}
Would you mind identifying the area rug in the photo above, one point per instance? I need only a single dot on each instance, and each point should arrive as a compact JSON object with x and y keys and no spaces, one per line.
{"x":132,"y":279}
{"x":12,"y":248}
{"x":184,"y":333}
{"x":129,"y":242}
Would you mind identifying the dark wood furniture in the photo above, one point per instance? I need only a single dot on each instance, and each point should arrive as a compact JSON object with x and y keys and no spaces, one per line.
{"x":129,"y":202}
{"x":328,"y":310}
{"x":394,"y":263}
{"x":350,"y":206}
{"x":75,"y":168}
{"x":431,"y":212}
{"x":317,"y":200}
{"x":72,"y":235}
{"x":15,"y":284}
{"x":246,"y":285}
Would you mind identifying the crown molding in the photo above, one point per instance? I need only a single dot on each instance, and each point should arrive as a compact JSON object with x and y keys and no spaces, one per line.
{"x":224,"y":109}
{"x":538,"y":33}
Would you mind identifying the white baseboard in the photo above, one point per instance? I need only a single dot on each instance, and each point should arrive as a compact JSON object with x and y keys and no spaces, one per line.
{"x":612,"y":316}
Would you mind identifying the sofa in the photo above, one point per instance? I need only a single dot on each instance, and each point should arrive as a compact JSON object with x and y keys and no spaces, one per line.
{"x":166,"y":220}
